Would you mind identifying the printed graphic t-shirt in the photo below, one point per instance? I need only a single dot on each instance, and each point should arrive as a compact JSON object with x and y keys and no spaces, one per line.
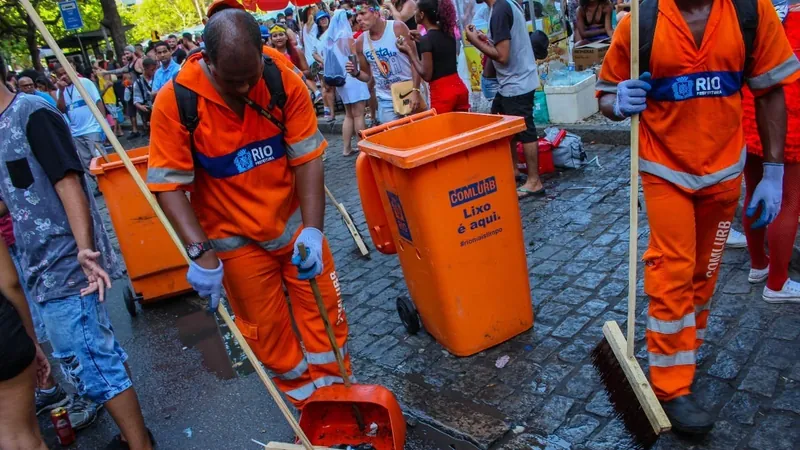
{"x":37,"y":151}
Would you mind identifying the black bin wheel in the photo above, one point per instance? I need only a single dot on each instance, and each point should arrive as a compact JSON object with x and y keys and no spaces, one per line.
{"x":130,"y":302}
{"x":408,"y":315}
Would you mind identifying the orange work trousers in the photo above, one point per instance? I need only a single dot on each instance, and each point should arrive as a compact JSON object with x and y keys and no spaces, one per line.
{"x":688,"y":231}
{"x":254,"y":281}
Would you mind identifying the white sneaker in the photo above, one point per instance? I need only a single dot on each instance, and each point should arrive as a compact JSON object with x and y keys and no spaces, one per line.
{"x":758,"y":275}
{"x":736,"y":240}
{"x":789,"y":294}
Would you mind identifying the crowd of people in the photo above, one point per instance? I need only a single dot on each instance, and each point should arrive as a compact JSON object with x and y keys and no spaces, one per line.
{"x":387,"y":61}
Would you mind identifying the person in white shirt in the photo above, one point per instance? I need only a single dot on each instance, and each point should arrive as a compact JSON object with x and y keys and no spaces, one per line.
{"x":85,"y":129}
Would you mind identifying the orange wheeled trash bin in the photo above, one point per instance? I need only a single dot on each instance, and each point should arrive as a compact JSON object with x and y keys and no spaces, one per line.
{"x":439,"y":191}
{"x":156,"y":269}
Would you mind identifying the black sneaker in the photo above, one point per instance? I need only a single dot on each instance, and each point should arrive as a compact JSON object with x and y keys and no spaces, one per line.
{"x":51,"y":401}
{"x":82,"y":412}
{"x":687,"y":417}
{"x":118,"y":444}
{"x":134,"y":135}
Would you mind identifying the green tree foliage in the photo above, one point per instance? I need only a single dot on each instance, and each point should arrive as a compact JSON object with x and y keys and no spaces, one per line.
{"x":149,"y":15}
{"x":15,"y":27}
{"x":163,"y":17}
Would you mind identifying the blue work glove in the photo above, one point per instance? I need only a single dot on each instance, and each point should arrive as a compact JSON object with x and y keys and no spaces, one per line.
{"x":632,"y":96}
{"x":311,"y":266}
{"x":768,"y":194}
{"x":207,"y":283}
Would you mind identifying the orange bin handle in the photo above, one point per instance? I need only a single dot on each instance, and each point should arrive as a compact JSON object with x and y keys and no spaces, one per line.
{"x":396,"y":123}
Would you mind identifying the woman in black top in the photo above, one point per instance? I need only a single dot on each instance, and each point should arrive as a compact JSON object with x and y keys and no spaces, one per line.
{"x":439,"y":51}
{"x":22,"y":363}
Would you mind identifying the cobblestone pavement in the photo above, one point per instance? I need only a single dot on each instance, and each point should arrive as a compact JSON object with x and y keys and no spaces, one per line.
{"x":548,"y":395}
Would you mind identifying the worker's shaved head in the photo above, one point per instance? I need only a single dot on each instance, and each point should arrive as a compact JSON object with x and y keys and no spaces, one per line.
{"x":231,"y":32}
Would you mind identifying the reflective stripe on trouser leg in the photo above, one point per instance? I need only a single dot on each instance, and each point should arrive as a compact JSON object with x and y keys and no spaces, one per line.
{"x":669,"y":266}
{"x":255,"y":292}
{"x":718,"y":206}
{"x":321,"y":359}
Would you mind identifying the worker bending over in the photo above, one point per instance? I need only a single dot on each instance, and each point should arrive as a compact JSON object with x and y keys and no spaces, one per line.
{"x":691,"y":157}
{"x":256,"y":194}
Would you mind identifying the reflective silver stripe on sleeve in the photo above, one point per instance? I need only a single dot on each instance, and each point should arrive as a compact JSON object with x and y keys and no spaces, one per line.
{"x":776,"y":75}
{"x":678,"y":359}
{"x":670,"y":326}
{"x":285,"y":238}
{"x":295,"y":373}
{"x":305,"y":146}
{"x":701,"y":333}
{"x":163,"y":175}
{"x":303,"y":392}
{"x":689,"y":181}
{"x":328,"y":381}
{"x":606,"y":86}
{"x":325,"y":357}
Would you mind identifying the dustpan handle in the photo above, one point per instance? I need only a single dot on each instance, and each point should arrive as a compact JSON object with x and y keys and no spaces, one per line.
{"x":328,"y":328}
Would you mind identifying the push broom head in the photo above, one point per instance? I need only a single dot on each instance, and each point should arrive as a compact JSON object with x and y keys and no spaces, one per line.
{"x":629,"y":392}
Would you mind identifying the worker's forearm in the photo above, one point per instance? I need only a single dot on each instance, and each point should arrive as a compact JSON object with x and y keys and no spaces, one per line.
{"x":310,"y":182}
{"x":607,"y":106}
{"x":181,"y":215}
{"x":771,"y":121}
{"x":73,"y":197}
{"x":3,"y":209}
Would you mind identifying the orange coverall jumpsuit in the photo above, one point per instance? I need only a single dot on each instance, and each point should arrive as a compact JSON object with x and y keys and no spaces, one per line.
{"x":244,"y":196}
{"x":691,"y":157}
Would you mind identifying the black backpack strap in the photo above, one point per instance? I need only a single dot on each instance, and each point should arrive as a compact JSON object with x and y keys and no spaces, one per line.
{"x":747,"y":11}
{"x":648,"y":16}
{"x":272,"y":76}
{"x":187,"y":108}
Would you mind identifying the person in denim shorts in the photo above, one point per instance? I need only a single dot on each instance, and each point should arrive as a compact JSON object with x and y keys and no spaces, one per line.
{"x":65,"y":254}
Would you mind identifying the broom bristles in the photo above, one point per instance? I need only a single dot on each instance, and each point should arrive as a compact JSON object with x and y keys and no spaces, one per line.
{"x":622,"y":397}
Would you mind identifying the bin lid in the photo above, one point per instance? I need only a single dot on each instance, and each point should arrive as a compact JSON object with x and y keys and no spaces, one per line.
{"x":419,"y":142}
{"x":99,"y":166}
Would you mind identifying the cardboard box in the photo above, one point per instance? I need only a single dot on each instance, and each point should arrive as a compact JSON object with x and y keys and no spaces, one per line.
{"x":590,"y":54}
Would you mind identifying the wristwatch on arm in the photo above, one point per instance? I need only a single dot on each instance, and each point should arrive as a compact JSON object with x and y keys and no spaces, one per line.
{"x":196,"y":249}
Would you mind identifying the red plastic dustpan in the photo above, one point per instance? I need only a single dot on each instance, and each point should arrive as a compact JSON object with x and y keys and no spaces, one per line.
{"x":328,"y":417}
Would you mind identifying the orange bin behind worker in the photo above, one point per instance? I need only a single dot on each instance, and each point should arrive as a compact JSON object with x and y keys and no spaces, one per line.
{"x":155,"y":266}
{"x":439,"y":190}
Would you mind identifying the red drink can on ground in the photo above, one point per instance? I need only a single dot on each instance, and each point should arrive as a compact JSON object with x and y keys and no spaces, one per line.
{"x":60,"y":418}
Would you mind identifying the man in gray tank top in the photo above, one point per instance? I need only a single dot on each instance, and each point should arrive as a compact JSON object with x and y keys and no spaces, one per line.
{"x":518,"y":79}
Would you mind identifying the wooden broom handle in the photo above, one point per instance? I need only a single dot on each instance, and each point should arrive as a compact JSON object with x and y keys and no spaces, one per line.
{"x":123,"y":156}
{"x":634,"y":203}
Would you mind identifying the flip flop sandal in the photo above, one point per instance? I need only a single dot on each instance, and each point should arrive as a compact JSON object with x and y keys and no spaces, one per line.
{"x":525,"y":193}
